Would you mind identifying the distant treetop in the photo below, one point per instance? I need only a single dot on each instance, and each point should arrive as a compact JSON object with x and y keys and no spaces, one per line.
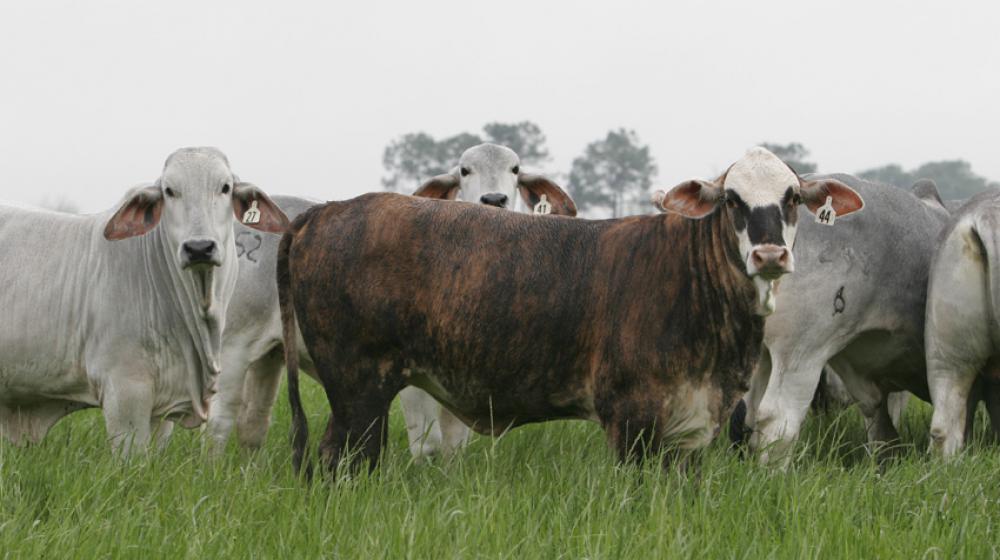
{"x":955,"y":178}
{"x":794,"y":154}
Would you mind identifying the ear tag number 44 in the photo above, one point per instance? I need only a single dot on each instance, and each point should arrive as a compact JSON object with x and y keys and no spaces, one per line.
{"x":826,"y":215}
{"x":252,"y":216}
{"x":543,"y":206}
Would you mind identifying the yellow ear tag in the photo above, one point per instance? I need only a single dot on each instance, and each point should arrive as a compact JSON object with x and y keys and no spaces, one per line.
{"x":543,"y":206}
{"x":826,"y":215}
{"x":252,"y":216}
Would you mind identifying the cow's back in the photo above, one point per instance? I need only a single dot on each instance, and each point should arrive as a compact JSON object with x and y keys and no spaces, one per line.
{"x":405,"y":277}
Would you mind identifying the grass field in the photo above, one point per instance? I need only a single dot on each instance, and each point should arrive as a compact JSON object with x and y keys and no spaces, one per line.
{"x":546,"y":491}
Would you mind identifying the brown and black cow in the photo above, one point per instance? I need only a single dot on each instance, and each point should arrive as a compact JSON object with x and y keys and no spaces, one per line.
{"x":650,"y":325}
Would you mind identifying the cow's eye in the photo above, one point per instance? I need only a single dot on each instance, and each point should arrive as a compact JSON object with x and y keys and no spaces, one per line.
{"x":516,"y":169}
{"x":225,"y":188}
{"x":465,"y":172}
{"x":731,"y":203}
{"x":796,"y":199}
{"x":170,"y":192}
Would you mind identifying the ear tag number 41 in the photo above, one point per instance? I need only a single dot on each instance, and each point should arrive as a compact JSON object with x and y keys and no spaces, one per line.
{"x":252,"y":216}
{"x":826,"y":215}
{"x":543,"y":206}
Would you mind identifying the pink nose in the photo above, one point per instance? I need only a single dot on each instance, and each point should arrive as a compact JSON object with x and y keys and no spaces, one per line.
{"x":771,"y":261}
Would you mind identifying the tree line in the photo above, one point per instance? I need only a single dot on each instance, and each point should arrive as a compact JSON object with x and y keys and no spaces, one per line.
{"x":613,"y":175}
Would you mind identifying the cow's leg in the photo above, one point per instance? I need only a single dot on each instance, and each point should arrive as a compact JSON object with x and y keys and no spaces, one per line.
{"x":632,"y":432}
{"x":356,"y":431}
{"x":793,"y":381}
{"x":454,"y":433}
{"x":976,"y":394}
{"x":259,"y":392}
{"x":951,"y":388}
{"x":646,"y":422}
{"x":162,"y":429}
{"x":872,"y":402}
{"x":228,"y":398}
{"x":127,"y":403}
{"x":758,"y":385}
{"x":359,"y":413}
{"x":897,"y":405}
{"x":991,"y":394}
{"x":431,"y":428}
{"x":423,"y":429}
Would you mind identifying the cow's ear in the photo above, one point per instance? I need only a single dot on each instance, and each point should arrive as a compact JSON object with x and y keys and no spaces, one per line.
{"x":138,"y":214}
{"x":843,"y":198}
{"x":255,"y":209}
{"x":532,"y":187}
{"x":444,"y":187}
{"x":691,"y":199}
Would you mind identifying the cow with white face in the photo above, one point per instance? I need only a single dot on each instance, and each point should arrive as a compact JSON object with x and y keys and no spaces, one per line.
{"x":763,"y":195}
{"x":650,"y":325}
{"x":123,"y":310}
{"x":855,"y":304}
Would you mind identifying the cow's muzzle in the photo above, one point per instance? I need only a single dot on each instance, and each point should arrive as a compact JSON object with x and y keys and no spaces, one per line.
{"x":494,"y":199}
{"x":202,"y":252}
{"x":770,"y":261}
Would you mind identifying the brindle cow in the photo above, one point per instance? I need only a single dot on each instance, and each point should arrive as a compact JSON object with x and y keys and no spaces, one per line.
{"x":648,"y":325}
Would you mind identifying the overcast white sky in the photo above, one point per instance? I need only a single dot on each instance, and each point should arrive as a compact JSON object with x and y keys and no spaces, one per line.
{"x":303,"y":97}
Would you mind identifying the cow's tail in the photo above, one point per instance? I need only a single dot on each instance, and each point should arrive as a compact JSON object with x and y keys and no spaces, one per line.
{"x":300,"y":425}
{"x":986,"y":226}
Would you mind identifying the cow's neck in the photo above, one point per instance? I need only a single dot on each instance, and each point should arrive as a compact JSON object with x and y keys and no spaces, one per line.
{"x":204,"y":324}
{"x":726,"y":296}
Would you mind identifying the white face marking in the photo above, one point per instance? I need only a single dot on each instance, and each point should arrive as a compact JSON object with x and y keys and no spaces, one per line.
{"x":761,"y":180}
{"x":488,"y":170}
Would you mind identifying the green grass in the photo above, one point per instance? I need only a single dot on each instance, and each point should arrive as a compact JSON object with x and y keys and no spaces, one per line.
{"x":546,"y":491}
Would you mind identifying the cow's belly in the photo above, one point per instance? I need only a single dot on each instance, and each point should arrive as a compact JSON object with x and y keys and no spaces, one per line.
{"x":39,"y":377}
{"x":491,"y":407}
{"x":891,"y":360}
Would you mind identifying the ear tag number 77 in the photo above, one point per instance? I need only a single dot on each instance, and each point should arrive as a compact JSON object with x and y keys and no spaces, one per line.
{"x":543,"y":206}
{"x":825,"y":214}
{"x":252,"y":216}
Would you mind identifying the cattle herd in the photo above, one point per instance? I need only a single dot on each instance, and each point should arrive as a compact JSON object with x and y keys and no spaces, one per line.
{"x":486,"y":304}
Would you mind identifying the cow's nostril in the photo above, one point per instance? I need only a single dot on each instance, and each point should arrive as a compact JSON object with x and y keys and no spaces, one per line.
{"x":199,"y":251}
{"x":771,"y":258}
{"x":494,"y":199}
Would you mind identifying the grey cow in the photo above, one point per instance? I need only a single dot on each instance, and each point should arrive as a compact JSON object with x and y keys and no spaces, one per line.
{"x":123,"y":310}
{"x":962,"y":334}
{"x":856,"y":301}
{"x":252,"y":355}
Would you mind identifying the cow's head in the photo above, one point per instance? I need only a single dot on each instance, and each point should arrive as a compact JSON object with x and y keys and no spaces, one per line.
{"x":760,"y":196}
{"x":194,"y":202}
{"x":491,"y":174}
